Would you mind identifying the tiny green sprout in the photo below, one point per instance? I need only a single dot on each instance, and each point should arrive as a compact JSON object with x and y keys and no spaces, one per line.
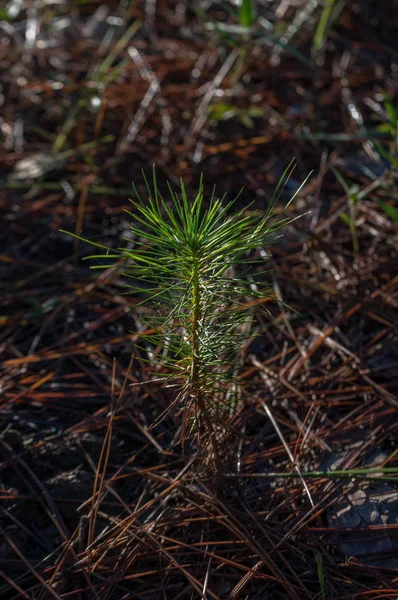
{"x":194,"y":266}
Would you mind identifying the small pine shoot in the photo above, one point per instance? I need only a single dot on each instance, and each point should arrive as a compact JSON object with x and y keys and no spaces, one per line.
{"x":194,"y":266}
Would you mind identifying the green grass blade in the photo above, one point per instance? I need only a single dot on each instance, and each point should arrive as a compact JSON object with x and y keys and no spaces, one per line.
{"x":247,"y":13}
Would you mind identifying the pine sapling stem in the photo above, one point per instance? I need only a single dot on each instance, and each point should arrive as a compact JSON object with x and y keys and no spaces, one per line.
{"x":196,"y":356}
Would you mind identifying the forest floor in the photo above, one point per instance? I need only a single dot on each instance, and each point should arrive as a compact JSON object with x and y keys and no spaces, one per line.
{"x":96,"y":503}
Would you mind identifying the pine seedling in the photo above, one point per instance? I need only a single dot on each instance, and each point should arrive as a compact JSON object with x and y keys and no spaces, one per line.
{"x":194,"y":267}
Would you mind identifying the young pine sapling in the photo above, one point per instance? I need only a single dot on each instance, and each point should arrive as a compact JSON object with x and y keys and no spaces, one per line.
{"x":193,"y":263}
